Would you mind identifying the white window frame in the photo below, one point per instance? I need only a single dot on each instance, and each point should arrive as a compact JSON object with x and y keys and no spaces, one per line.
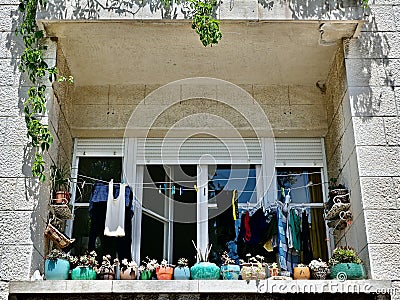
{"x":133,"y":172}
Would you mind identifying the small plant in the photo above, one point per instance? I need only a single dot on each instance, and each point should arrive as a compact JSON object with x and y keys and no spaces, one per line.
{"x":344,"y":255}
{"x":182,"y":262}
{"x":200,"y":256}
{"x":60,"y":177}
{"x":148,"y":265}
{"x":86,"y":260}
{"x":125,"y":265}
{"x":226,"y":260}
{"x":58,"y":254}
{"x":316,"y":265}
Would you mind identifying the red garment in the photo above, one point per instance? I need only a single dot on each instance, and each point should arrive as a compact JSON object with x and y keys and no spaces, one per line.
{"x":246,"y":220}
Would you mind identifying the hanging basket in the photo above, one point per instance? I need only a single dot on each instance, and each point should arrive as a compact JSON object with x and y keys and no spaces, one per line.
{"x":57,"y":237}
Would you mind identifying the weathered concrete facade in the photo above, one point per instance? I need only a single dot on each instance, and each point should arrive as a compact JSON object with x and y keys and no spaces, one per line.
{"x":358,"y":114}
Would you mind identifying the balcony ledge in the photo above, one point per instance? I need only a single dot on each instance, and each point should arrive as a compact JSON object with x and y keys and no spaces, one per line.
{"x":199,"y":286}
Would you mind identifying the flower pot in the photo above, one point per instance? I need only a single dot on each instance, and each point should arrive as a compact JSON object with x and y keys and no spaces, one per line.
{"x":62,"y":197}
{"x":106,"y":273}
{"x":273,"y":272}
{"x":252,"y":272}
{"x":83,"y":273}
{"x":128,"y":273}
{"x":301,"y":273}
{"x":56,"y":269}
{"x":230,"y":272}
{"x":145,"y":275}
{"x":182,"y":273}
{"x":205,"y":270}
{"x":346,"y":271}
{"x":164,"y":273}
{"x":320,"y":273}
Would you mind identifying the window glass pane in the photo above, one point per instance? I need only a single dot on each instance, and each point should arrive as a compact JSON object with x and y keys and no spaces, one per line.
{"x":102,"y":168}
{"x":97,"y":168}
{"x":152,"y":239}
{"x":222,"y":228}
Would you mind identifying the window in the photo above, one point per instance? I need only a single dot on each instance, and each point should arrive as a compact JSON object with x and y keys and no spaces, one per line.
{"x":184,"y":198}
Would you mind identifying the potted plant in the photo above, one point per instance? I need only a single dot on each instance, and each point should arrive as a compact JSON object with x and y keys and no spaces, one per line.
{"x":203,"y":269}
{"x":146,"y":270}
{"x":337,"y":192}
{"x":60,"y":181}
{"x":129,"y":270}
{"x":301,"y":271}
{"x":229,"y":269}
{"x":273,"y":269}
{"x":254,"y":268}
{"x":57,"y":266}
{"x":319,"y":269}
{"x":86,"y":267}
{"x":345,"y":264}
{"x":164,"y":271}
{"x":182,"y":271}
{"x":107,"y":270}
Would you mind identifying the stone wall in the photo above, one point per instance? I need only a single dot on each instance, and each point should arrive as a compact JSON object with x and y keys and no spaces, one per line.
{"x":23,"y":201}
{"x":372,"y":67}
{"x":296,"y":111}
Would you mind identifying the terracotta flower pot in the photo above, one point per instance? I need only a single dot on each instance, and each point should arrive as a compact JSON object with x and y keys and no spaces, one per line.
{"x":164,"y":273}
{"x":128,"y":273}
{"x":273,"y":272}
{"x":62,"y":197}
{"x":301,"y":273}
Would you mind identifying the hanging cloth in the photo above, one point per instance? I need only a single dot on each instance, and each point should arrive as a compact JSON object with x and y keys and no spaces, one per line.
{"x":288,"y":258}
{"x":115,"y":215}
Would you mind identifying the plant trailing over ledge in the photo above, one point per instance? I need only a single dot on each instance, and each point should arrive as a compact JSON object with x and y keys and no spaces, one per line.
{"x":33,"y":63}
{"x":204,"y":23}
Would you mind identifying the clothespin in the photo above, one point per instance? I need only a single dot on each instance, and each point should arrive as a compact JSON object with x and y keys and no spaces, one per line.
{"x":283,"y":192}
{"x":159,"y":189}
{"x":165,"y":187}
{"x":173,"y":190}
{"x":196,"y":188}
{"x":180,"y":191}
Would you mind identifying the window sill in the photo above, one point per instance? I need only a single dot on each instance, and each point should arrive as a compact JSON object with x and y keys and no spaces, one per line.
{"x":198,"y":286}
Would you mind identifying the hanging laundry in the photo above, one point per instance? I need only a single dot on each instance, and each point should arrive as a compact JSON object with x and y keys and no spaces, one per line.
{"x":293,"y":230}
{"x":115,"y":215}
{"x":288,"y":258}
{"x":306,"y":239}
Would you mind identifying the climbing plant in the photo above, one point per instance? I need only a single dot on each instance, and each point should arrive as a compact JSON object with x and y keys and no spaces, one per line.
{"x":34,"y":65}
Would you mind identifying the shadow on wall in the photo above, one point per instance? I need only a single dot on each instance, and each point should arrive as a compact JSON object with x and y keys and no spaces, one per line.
{"x":97,"y":9}
{"x":367,"y":67}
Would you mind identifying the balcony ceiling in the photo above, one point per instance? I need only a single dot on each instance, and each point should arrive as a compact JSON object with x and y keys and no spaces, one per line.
{"x":158,"y":52}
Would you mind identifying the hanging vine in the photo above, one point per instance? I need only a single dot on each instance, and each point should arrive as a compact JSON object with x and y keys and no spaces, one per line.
{"x":33,"y":64}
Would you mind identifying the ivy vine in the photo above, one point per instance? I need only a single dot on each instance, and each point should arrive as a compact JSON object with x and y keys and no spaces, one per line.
{"x":34,"y":65}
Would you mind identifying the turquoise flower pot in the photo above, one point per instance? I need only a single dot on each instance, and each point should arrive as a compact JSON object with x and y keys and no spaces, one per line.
{"x":230,"y":272}
{"x":205,"y":270}
{"x":56,"y":269}
{"x":347,"y":271}
{"x":83,"y":273}
{"x":182,"y":273}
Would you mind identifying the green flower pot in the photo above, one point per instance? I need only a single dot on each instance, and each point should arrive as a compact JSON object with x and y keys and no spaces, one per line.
{"x":83,"y":273}
{"x":146,"y":275}
{"x":347,"y":271}
{"x":205,"y":270}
